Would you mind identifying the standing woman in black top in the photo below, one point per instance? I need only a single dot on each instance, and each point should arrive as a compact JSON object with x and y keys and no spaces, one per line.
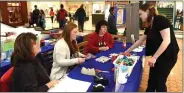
{"x":29,"y":74}
{"x":161,"y":44}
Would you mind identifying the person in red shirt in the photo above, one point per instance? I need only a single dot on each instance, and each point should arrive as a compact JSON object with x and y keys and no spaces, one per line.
{"x":52,"y":14}
{"x":100,"y":40}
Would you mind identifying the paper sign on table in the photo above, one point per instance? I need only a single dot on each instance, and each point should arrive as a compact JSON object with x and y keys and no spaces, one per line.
{"x":70,"y":85}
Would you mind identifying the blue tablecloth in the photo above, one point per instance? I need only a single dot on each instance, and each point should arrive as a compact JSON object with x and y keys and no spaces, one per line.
{"x":133,"y":82}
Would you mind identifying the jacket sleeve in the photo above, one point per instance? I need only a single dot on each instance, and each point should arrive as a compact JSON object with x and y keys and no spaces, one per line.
{"x":29,"y":79}
{"x":40,"y":57}
{"x":91,"y":48}
{"x":110,"y":43}
{"x":76,"y":14}
{"x":84,"y":14}
{"x":61,"y":54}
{"x":112,"y":23}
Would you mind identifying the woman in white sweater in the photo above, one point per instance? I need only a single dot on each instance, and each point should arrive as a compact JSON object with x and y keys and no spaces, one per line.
{"x":66,"y":52}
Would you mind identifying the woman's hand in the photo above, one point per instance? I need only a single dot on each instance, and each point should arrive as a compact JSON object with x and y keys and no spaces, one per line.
{"x":125,"y":53}
{"x":104,"y":48}
{"x":52,"y":83}
{"x":152,"y":61}
{"x":81,"y":60}
{"x":83,"y":56}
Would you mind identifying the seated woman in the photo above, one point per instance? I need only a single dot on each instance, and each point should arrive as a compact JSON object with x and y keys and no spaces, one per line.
{"x":29,"y":74}
{"x":66,"y":54}
{"x":100,"y":40}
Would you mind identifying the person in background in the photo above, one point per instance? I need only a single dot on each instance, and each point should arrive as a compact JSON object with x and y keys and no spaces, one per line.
{"x":36,"y":13}
{"x":66,"y":55}
{"x":100,"y":40}
{"x":112,"y":22}
{"x":61,"y":16}
{"x":31,"y":19}
{"x":80,"y":14}
{"x":56,"y":15}
{"x":29,"y":74}
{"x":161,"y":45}
{"x":52,"y":14}
{"x":42,"y":20}
{"x":71,"y":16}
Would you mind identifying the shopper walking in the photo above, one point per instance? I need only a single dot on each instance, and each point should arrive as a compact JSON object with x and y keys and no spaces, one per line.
{"x":61,"y":16}
{"x":42,"y":20}
{"x":52,"y":15}
{"x":80,"y":14}
{"x":36,"y":13}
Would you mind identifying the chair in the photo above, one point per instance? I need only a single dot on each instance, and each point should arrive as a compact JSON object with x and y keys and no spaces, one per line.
{"x":82,"y":46}
{"x":85,"y":38}
{"x":5,"y":81}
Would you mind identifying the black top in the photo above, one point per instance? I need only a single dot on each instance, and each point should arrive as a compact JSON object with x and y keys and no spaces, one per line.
{"x":36,"y":13}
{"x":112,"y":24}
{"x":154,"y":38}
{"x":29,"y":76}
{"x":80,"y":14}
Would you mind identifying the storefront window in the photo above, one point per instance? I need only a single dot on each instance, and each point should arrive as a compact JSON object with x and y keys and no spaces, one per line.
{"x":107,"y":7}
{"x":73,"y":7}
{"x":98,"y":8}
{"x":165,"y":4}
{"x":14,"y":12}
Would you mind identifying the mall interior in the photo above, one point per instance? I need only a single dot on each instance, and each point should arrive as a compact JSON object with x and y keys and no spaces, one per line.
{"x":15,"y":16}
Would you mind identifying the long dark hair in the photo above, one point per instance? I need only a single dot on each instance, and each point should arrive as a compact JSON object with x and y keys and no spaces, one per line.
{"x":66,"y":35}
{"x":23,"y":47}
{"x":152,"y":11}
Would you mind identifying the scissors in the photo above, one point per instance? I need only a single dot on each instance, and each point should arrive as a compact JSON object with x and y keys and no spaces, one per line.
{"x":97,"y":70}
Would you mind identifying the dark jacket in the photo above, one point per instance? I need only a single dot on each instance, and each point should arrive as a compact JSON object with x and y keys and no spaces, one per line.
{"x":80,"y":14}
{"x":36,"y":13}
{"x":29,"y":76}
{"x":112,"y":24}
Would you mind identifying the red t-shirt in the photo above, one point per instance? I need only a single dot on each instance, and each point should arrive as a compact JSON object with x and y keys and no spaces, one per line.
{"x":94,"y":41}
{"x":51,"y":13}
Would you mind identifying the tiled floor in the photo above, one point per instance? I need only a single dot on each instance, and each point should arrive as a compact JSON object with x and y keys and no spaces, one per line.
{"x":174,"y":81}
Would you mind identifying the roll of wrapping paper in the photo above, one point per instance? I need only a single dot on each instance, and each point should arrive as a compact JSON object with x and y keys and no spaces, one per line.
{"x":117,"y":84}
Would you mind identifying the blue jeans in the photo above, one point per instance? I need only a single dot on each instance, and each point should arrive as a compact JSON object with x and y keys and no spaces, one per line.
{"x":62,"y":23}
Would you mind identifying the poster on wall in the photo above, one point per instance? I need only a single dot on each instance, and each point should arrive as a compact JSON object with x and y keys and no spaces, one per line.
{"x":120,"y":14}
{"x":73,"y":7}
